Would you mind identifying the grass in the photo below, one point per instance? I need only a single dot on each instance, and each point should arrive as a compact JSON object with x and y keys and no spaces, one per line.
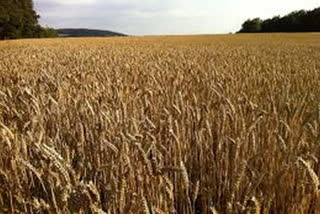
{"x":195,"y":124}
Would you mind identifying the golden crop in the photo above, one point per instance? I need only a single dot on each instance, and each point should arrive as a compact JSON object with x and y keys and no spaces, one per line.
{"x":185,"y":125}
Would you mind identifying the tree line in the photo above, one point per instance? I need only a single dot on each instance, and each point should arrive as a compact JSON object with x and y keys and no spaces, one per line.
{"x":18,"y":19}
{"x":297,"y":21}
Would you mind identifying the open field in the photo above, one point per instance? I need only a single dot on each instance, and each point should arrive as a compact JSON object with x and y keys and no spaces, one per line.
{"x":197,"y":124}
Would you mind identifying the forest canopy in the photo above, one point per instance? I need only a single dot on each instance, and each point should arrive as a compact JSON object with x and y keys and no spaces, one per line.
{"x":297,"y":21}
{"x":18,"y":19}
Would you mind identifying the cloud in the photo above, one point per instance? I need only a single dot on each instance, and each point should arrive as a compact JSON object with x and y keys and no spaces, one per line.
{"x":68,"y":2}
{"x":132,"y":17}
{"x":162,"y":16}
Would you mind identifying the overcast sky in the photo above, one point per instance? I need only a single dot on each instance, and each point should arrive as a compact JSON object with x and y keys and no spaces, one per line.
{"x":150,"y":17}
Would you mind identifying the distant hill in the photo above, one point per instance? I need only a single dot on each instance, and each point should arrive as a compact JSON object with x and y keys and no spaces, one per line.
{"x":81,"y":32}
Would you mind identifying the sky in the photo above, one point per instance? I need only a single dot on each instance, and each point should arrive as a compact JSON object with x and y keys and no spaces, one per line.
{"x":163,"y":17}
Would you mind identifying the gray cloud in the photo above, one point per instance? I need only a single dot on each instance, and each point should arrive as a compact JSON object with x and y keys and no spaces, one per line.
{"x":132,"y":17}
{"x":138,"y":17}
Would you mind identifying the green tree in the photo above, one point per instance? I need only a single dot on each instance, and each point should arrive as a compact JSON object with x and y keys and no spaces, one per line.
{"x":48,"y":32}
{"x":18,"y":19}
{"x":297,"y":21}
{"x":252,"y":25}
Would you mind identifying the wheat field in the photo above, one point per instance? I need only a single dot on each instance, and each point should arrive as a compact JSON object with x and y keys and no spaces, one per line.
{"x":221,"y":124}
